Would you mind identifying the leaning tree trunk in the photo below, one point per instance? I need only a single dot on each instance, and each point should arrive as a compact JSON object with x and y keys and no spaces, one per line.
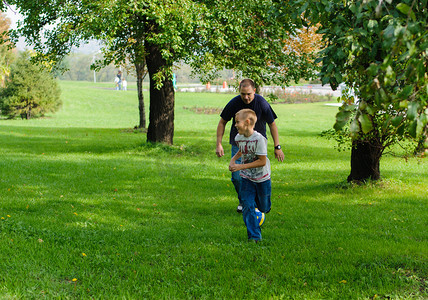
{"x":141,"y":73}
{"x":365,"y":159}
{"x":421,"y":147}
{"x":161,"y":122}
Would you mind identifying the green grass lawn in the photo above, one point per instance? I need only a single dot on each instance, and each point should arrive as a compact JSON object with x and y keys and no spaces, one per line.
{"x":89,"y":210}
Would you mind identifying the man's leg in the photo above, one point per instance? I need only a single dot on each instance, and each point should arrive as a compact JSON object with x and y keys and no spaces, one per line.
{"x":236,"y":179}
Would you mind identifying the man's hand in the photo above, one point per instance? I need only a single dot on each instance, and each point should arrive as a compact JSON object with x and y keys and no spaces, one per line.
{"x":219,"y":150}
{"x":220,"y":132}
{"x":279,"y":155}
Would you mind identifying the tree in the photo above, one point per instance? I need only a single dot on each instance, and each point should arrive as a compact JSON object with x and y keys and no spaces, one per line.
{"x":208,"y":34}
{"x":6,"y":54}
{"x":253,"y":38}
{"x":379,"y":49}
{"x":30,"y":91}
{"x":151,"y":33}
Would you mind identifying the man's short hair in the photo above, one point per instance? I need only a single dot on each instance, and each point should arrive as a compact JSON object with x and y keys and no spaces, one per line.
{"x":248,"y":114}
{"x":247,"y":82}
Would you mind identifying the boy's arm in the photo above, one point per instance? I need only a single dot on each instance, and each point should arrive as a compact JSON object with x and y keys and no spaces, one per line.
{"x":255,"y":164}
{"x":232,"y":164}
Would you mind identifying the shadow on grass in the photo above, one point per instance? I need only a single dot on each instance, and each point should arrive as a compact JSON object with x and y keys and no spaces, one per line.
{"x":17,"y":139}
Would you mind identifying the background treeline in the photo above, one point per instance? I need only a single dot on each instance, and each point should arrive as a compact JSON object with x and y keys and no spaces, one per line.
{"x":77,"y":66}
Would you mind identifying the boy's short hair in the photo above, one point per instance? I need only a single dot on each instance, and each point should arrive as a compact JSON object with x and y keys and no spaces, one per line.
{"x":247,"y":82}
{"x":248,"y":114}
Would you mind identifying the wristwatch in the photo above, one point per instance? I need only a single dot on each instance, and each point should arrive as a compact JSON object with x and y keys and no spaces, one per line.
{"x":278,"y":147}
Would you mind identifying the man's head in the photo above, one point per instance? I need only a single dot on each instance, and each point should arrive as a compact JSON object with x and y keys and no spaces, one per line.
{"x":247,"y":89}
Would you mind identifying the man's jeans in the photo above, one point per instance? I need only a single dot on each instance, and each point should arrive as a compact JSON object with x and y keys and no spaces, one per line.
{"x":255,"y":194}
{"x":236,"y":177}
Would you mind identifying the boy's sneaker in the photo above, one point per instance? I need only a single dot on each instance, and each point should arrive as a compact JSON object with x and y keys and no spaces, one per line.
{"x":239,"y":209}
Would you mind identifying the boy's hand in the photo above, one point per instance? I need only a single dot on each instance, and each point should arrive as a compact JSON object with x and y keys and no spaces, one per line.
{"x":233,"y":167}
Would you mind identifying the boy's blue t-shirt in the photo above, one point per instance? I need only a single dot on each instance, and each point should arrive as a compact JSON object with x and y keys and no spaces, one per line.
{"x":259,"y":105}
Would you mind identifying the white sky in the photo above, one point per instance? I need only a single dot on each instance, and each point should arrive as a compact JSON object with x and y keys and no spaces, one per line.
{"x":14,"y":16}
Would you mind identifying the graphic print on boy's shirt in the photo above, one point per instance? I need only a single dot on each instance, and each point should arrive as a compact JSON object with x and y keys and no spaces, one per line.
{"x":250,"y":148}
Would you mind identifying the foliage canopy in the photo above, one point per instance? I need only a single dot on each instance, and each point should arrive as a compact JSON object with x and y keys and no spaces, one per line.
{"x":248,"y":36}
{"x":379,"y":49}
{"x":6,"y":54}
{"x":30,"y":91}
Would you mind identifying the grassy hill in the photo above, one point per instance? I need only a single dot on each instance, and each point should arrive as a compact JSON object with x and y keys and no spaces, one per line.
{"x":90,"y":210}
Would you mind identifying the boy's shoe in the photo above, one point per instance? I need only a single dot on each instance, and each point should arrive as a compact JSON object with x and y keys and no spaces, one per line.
{"x":239,"y":209}
{"x":260,"y":217}
{"x":254,"y":241}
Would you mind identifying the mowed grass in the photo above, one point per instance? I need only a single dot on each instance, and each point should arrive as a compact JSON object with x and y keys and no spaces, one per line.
{"x":89,"y":210}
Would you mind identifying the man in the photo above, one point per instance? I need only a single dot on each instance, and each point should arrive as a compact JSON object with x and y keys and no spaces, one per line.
{"x":265,"y":114}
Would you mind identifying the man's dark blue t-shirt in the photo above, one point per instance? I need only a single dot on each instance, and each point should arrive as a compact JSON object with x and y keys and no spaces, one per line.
{"x":259,"y":105}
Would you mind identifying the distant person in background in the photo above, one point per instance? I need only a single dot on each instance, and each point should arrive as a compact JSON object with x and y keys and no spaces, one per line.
{"x":174,"y":81}
{"x":124,"y":84}
{"x":118,"y":81}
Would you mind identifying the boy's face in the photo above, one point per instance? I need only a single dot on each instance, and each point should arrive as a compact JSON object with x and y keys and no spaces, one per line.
{"x":241,"y":124}
{"x":247,"y":94}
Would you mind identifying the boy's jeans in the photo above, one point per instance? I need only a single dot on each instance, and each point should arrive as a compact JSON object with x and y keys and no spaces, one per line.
{"x":255,"y":194}
{"x":236,"y":177}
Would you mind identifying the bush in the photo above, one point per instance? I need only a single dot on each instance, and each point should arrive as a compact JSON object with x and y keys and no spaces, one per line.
{"x":30,"y":91}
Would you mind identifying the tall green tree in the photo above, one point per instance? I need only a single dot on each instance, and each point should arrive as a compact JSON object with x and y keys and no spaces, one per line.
{"x":379,"y":49}
{"x":30,"y":91}
{"x":253,"y":38}
{"x":6,"y":54}
{"x":210,"y":34}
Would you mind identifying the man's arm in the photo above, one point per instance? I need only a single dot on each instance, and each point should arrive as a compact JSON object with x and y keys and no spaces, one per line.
{"x":220,"y":132}
{"x":279,"y":155}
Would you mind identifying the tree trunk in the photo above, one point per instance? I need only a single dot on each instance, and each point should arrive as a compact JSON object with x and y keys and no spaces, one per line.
{"x":161,"y":126}
{"x":421,"y":147}
{"x":365,"y":159}
{"x":140,"y":77}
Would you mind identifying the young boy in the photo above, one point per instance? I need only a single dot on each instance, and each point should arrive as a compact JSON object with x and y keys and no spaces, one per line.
{"x":254,"y":170}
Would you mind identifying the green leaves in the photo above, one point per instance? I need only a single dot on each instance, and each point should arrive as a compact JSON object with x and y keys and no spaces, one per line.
{"x":406,"y":10}
{"x":31,"y":91}
{"x":366,"y":123}
{"x":406,"y":92}
{"x":412,"y":110}
{"x":342,"y":118}
{"x":384,"y":45}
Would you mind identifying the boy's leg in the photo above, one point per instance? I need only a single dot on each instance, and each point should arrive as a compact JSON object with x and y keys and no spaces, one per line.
{"x":248,"y":193}
{"x":236,"y":179}
{"x":263,"y":199}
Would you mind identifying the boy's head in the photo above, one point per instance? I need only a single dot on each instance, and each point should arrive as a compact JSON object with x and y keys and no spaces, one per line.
{"x":245,"y":119}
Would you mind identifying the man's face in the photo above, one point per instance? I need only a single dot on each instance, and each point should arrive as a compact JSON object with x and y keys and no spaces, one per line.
{"x":247,"y":94}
